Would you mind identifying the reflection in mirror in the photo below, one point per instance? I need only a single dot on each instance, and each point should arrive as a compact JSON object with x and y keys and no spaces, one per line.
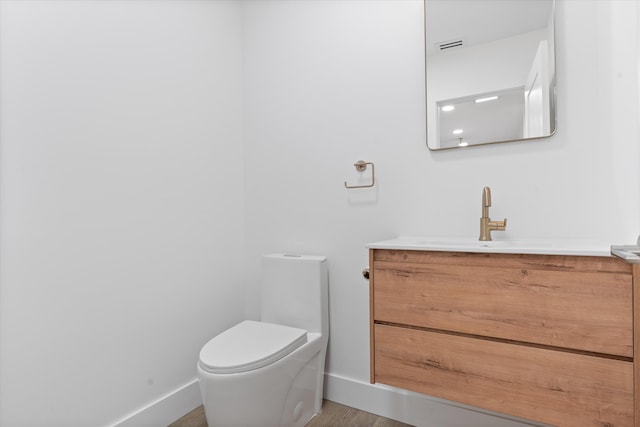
{"x":490,"y":67}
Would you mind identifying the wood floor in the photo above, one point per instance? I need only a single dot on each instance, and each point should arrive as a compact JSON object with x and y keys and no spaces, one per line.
{"x":333,"y":415}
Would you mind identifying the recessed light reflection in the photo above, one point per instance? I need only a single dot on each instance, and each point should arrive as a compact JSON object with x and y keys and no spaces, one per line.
{"x":457,"y":131}
{"x":488,"y":98}
{"x":448,"y":108}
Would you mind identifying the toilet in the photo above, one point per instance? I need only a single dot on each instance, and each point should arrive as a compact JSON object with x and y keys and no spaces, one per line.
{"x":269,"y":373}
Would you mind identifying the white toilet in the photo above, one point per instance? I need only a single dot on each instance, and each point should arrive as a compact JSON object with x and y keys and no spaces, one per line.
{"x":270,"y":373}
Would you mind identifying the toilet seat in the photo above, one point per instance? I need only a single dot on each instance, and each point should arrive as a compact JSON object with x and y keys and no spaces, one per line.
{"x":249,"y":345}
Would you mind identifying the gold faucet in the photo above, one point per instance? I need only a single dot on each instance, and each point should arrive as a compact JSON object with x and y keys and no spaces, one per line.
{"x":486,"y":225}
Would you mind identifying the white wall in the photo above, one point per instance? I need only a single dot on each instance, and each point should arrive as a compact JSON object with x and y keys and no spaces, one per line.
{"x":328,"y":83}
{"x":121,"y":203}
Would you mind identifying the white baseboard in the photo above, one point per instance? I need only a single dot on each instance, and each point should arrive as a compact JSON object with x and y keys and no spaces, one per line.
{"x":389,"y":402}
{"x":412,"y":408}
{"x":165,"y":410}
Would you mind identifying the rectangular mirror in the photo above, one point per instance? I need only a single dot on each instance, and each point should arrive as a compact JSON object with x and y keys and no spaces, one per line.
{"x":490,"y":70}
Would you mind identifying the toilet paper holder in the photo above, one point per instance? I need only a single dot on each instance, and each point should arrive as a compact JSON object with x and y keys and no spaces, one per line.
{"x":361,"y":166}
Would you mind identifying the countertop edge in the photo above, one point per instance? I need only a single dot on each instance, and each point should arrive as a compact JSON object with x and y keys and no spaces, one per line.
{"x":571,"y":248}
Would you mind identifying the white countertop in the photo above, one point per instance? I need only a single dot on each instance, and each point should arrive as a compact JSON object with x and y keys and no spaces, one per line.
{"x":525,"y":246}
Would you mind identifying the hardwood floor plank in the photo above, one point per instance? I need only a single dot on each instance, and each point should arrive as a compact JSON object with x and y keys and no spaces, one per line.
{"x":333,"y":415}
{"x":194,"y":418}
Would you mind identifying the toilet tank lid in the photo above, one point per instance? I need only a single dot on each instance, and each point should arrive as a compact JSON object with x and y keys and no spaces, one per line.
{"x":249,"y":345}
{"x":315,"y":258}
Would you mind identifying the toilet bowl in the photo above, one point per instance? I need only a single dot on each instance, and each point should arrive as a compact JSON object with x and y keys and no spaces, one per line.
{"x":270,"y":372}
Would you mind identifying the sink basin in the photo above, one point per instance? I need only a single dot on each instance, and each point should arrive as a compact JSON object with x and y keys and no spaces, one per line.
{"x":454,"y":244}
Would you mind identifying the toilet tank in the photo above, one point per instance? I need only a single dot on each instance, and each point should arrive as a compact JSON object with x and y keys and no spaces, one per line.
{"x":295,"y":291}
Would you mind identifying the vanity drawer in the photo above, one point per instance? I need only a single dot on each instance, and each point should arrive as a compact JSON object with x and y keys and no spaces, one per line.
{"x":580,"y":303}
{"x":559,"y":388}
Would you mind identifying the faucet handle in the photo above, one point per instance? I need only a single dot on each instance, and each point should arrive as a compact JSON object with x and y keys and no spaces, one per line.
{"x":498,"y":225}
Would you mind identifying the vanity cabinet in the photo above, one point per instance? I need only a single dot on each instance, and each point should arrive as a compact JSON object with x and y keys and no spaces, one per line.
{"x":548,"y":338}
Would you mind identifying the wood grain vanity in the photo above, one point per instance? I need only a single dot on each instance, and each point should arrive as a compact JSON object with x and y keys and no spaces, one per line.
{"x":546,"y":337}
